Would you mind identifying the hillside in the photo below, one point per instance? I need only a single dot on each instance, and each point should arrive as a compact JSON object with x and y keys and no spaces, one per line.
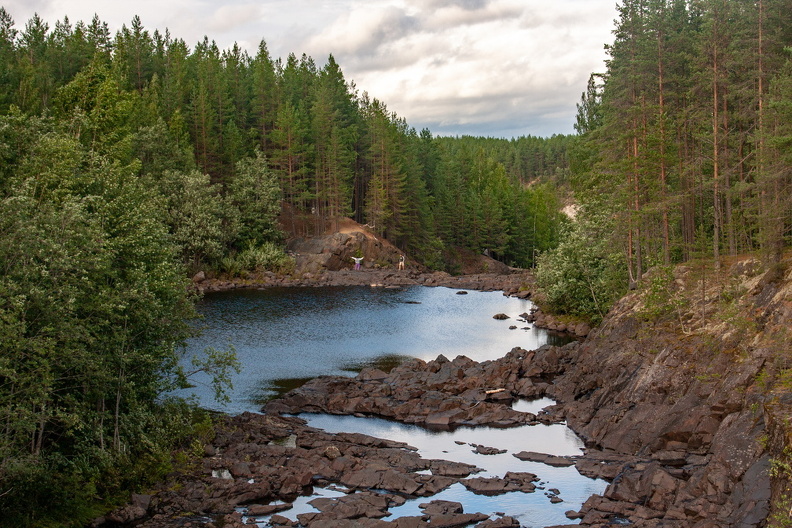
{"x":688,"y":382}
{"x":333,"y":250}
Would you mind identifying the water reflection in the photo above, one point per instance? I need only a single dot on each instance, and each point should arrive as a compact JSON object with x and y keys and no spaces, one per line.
{"x":531,"y":509}
{"x":284,"y":337}
{"x":300,"y":333}
{"x":385,"y":363}
{"x":270,"y":389}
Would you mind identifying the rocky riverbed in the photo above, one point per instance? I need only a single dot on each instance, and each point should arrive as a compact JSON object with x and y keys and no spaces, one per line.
{"x":683,"y":415}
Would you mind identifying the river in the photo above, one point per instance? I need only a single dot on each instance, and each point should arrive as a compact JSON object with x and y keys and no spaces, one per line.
{"x":285,"y":336}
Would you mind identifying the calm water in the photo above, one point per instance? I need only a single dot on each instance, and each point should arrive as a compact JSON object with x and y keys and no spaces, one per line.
{"x":531,"y":509}
{"x":284,"y":336}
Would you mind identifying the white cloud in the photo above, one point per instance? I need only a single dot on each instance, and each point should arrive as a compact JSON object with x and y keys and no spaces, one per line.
{"x":229,"y":18}
{"x":499,"y":67}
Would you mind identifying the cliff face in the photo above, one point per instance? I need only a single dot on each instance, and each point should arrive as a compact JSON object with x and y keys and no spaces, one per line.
{"x":689,"y":381}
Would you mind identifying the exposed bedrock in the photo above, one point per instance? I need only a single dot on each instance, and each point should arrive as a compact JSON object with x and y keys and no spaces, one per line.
{"x":675,"y":430}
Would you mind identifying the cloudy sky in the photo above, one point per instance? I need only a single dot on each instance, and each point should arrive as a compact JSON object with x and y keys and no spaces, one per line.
{"x":502,"y":68}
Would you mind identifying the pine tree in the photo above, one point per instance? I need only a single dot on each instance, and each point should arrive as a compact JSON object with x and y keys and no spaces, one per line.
{"x":8,"y":74}
{"x":265,"y":96}
{"x":134,"y":53}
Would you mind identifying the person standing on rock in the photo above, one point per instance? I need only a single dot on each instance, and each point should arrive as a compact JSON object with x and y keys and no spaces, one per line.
{"x":401,"y":262}
{"x":357,"y":260}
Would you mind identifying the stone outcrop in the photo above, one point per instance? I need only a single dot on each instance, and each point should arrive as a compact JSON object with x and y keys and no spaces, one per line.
{"x":679,"y":414}
{"x":335,"y":251}
{"x":677,"y":419}
{"x":677,"y":408}
{"x":439,"y":393}
{"x":257,"y":465}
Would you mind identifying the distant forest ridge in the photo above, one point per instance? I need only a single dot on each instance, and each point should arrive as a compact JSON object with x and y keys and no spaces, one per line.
{"x":147,"y":97}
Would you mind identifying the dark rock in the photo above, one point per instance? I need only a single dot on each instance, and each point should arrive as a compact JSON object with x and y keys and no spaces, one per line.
{"x":372,"y":374}
{"x":126,"y":515}
{"x":259,"y":510}
{"x":279,"y":520}
{"x":550,"y":460}
{"x":332,"y":452}
{"x":441,"y":507}
{"x":489,"y":485}
{"x":458,"y":520}
{"x":502,"y":522}
{"x":484,"y":450}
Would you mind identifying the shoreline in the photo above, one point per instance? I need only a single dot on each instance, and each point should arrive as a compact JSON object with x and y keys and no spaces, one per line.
{"x":518,"y":283}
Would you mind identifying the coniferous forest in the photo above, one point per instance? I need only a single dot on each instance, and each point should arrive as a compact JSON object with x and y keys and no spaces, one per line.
{"x":130,"y":161}
{"x":684,"y":148}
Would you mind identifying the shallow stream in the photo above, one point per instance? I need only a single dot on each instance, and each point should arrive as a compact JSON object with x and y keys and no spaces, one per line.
{"x":285,"y":336}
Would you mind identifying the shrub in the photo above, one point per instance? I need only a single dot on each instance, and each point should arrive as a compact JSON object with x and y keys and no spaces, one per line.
{"x":583,"y":276}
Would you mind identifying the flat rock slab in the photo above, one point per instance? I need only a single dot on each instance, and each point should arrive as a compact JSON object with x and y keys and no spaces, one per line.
{"x":543,"y":458}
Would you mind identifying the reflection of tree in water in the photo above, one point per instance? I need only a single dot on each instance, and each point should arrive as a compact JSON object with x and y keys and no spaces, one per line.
{"x":559,"y":338}
{"x":385,"y":363}
{"x":271,"y":389}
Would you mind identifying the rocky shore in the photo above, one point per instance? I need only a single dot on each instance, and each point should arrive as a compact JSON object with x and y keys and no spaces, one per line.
{"x":676,"y":414}
{"x":257,"y":465}
{"x":514,"y":282}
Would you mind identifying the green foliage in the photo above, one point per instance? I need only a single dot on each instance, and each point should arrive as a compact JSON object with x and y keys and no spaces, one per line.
{"x":482,"y":207}
{"x":219,"y":365}
{"x":584,"y":275}
{"x":781,"y":470}
{"x":255,"y":193}
{"x":266,"y":257}
{"x":662,"y":297}
{"x":683,"y":136}
{"x":93,"y":308}
{"x":159,"y":108}
{"x":197,"y":217}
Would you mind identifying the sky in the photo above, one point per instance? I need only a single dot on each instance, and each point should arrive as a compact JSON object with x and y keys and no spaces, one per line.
{"x":497,"y":68}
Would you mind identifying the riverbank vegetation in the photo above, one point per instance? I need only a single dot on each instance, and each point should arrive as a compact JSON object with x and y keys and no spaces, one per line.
{"x":129,"y":163}
{"x":683,"y":150}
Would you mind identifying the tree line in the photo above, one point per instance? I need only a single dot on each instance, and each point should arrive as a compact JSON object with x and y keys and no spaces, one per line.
{"x":683,"y":150}
{"x":130,"y":161}
{"x":334,"y":152}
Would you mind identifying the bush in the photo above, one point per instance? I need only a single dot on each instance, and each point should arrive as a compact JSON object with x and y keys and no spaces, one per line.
{"x":54,"y":489}
{"x":266,"y":257}
{"x":583,"y":276}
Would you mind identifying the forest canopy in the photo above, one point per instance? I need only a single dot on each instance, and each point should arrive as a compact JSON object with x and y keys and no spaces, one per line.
{"x":148,"y":98}
{"x":130,"y":161}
